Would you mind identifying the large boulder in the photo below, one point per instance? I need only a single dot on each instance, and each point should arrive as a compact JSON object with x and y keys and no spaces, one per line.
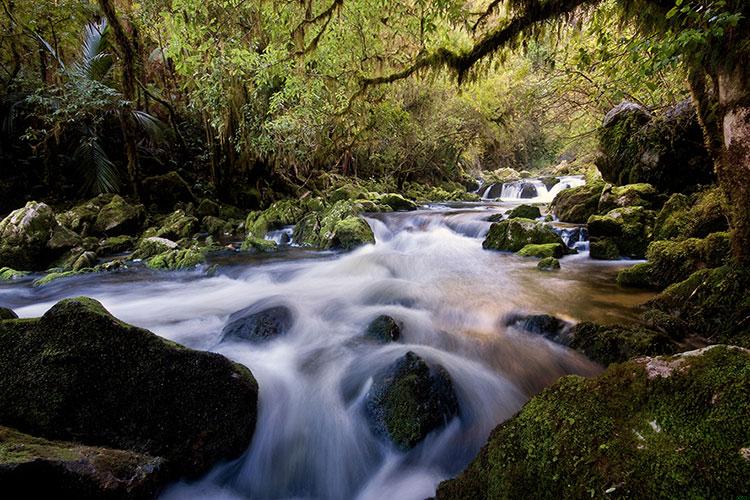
{"x":31,"y":238}
{"x":607,"y":344}
{"x":524,"y":212}
{"x":178,"y":225}
{"x":622,"y":232}
{"x":258,"y":323}
{"x":630,"y":195}
{"x":79,"y":374}
{"x":654,"y":427}
{"x":281,"y":213}
{"x":410,"y":399}
{"x":514,"y":234}
{"x":118,"y":217}
{"x":165,"y":191}
{"x":338,"y":226}
{"x":43,"y":468}
{"x":179,"y":259}
{"x":666,"y":150}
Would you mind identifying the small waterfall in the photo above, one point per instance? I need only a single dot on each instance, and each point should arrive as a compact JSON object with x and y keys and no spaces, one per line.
{"x":281,"y":236}
{"x":531,"y":190}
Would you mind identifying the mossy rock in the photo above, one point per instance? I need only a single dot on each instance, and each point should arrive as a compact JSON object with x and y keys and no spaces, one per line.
{"x":31,"y":238}
{"x":630,"y":229}
{"x":259,"y":245}
{"x":603,"y":249}
{"x":397,"y":202}
{"x":165,"y":191}
{"x":189,"y":407}
{"x":82,"y":217}
{"x":280,"y":214}
{"x":43,"y":468}
{"x":337,"y":227}
{"x":694,"y":216}
{"x":630,"y":195}
{"x":207,"y":208}
{"x":258,"y":323}
{"x":577,"y":204}
{"x":524,"y":212}
{"x":714,"y":302}
{"x":544,"y":250}
{"x":607,"y":344}
{"x":177,"y":260}
{"x":350,"y":233}
{"x":7,"y":274}
{"x":383,"y":329}
{"x":153,"y":245}
{"x":514,"y":234}
{"x":674,"y":261}
{"x":215,"y":226}
{"x":410,"y":399}
{"x":177,"y":226}
{"x":115,"y":245}
{"x":550,"y":182}
{"x":548,"y":264}
{"x":346,"y":192}
{"x":664,"y":427}
{"x":546,"y":325}
{"x":119,"y":217}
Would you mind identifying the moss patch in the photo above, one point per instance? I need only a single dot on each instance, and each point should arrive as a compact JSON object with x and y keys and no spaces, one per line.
{"x":514,"y":234}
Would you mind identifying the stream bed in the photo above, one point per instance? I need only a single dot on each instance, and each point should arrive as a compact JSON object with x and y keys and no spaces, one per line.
{"x":428,"y":271}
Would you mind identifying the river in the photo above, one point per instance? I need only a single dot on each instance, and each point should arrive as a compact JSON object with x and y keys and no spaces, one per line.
{"x":428,"y":270}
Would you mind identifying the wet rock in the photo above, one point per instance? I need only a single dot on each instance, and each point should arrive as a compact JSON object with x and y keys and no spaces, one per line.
{"x":258,"y":325}
{"x":259,"y":245}
{"x":176,"y":226}
{"x":550,"y":182}
{"x":86,"y":259}
{"x":165,"y":191}
{"x":577,"y":235}
{"x":667,"y":150}
{"x":630,"y":195}
{"x":524,"y":212}
{"x":546,"y":325}
{"x":44,"y":468}
{"x":607,"y":344}
{"x":410,"y":399}
{"x":79,"y":374}
{"x":82,"y":218}
{"x":383,"y":329}
{"x":214,"y":226}
{"x":281,"y":213}
{"x":119,"y":217}
{"x":336,"y":227}
{"x":397,"y":202}
{"x":6,"y":313}
{"x":7,"y":274}
{"x":208,"y":208}
{"x":514,"y":234}
{"x":115,"y":245}
{"x":548,"y":264}
{"x":494,"y":191}
{"x":671,"y":426}
{"x":528,"y":190}
{"x":603,"y":249}
{"x":350,"y":233}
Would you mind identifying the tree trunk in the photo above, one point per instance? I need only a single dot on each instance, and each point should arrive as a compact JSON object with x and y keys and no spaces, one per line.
{"x":734,"y":164}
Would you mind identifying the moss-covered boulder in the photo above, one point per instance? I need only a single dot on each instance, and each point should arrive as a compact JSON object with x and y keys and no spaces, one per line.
{"x":550,"y":182}
{"x":31,"y":238}
{"x":607,"y":344}
{"x":165,"y":191}
{"x":208,"y":207}
{"x":410,"y":399}
{"x":674,"y":261}
{"x":514,"y":234}
{"x":630,"y":229}
{"x":178,"y":225}
{"x":119,"y":217}
{"x":577,"y":204}
{"x":524,"y":212}
{"x":350,"y":233}
{"x":7,"y":274}
{"x":115,"y":244}
{"x":548,"y":264}
{"x":177,"y":259}
{"x":544,"y":250}
{"x":6,"y":313}
{"x":215,"y":226}
{"x":258,"y":323}
{"x":694,"y":216}
{"x":82,"y":217}
{"x":258,"y":245}
{"x":396,"y":202}
{"x":280,"y":214}
{"x":336,"y":227}
{"x":153,"y":245}
{"x":663,"y":427}
{"x":43,"y":468}
{"x":79,"y":374}
{"x":667,"y":150}
{"x":383,"y":329}
{"x":630,"y":195}
{"x":715,"y":303}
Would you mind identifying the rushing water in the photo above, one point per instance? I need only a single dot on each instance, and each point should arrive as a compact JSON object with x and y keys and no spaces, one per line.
{"x":530,"y":190}
{"x":429,"y":271}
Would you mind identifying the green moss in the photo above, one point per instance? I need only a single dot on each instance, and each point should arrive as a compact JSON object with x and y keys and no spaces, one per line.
{"x":258,"y":244}
{"x":642,"y":194}
{"x":514,"y":234}
{"x":383,"y":329}
{"x":613,"y":344}
{"x":48,"y":278}
{"x":694,"y":216}
{"x":177,"y":226}
{"x":151,"y":246}
{"x":338,"y":226}
{"x":350,"y":233}
{"x":176,"y":259}
{"x":397,"y":202}
{"x":548,"y":264}
{"x":7,"y":274}
{"x":603,"y":249}
{"x":629,"y":229}
{"x":116,"y":244}
{"x":649,"y":428}
{"x":544,"y":250}
{"x":525,"y":212}
{"x":281,"y":213}
{"x":637,"y":276}
{"x":119,"y":217}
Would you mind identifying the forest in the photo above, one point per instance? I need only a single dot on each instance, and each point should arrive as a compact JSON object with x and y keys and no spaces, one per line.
{"x":337,"y":249}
